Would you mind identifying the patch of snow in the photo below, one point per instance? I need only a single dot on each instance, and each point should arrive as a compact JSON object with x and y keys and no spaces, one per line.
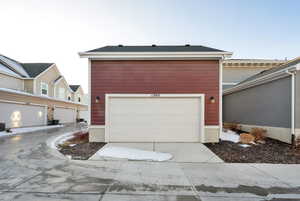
{"x":54,"y":142}
{"x":16,"y":131}
{"x":245,"y":145}
{"x":132,"y":154}
{"x":230,"y":136}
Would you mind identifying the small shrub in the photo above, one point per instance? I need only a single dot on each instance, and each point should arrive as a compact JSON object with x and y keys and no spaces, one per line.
{"x":246,"y":138}
{"x":259,"y":133}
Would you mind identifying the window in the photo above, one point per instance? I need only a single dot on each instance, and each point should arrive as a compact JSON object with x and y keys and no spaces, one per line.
{"x":44,"y":88}
{"x":61,"y":93}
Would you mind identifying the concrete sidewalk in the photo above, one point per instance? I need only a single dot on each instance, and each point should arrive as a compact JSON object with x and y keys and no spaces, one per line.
{"x":181,"y":152}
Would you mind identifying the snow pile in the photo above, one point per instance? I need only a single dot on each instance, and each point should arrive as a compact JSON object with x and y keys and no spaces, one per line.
{"x":245,"y":145}
{"x":16,"y":131}
{"x":230,"y":136}
{"x":132,"y":154}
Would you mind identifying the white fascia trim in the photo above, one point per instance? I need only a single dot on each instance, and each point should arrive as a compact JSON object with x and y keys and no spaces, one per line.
{"x":153,"y":55}
{"x":38,"y":96}
{"x":89,"y":92}
{"x":229,"y":83}
{"x":261,"y":80}
{"x":107,"y":113}
{"x":65,"y":107}
{"x":22,"y":103}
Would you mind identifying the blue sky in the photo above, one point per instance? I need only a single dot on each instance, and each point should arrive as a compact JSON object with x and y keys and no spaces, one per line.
{"x":55,"y":31}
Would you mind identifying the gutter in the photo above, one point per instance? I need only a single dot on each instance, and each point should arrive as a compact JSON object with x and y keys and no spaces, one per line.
{"x":293,"y":73}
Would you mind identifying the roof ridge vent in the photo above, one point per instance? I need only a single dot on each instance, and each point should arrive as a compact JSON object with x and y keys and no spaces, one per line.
{"x":120,"y":45}
{"x":187,"y":45}
{"x":153,"y":45}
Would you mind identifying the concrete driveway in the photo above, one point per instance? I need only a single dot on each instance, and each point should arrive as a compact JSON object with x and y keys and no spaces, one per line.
{"x":181,"y":152}
{"x":29,"y":172}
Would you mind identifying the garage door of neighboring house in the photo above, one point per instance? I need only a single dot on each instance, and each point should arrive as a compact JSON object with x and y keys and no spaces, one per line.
{"x":15,"y":114}
{"x":64,"y":115}
{"x":154,"y":118}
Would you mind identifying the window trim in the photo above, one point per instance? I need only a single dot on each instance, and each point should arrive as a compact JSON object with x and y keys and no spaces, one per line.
{"x":47,"y":88}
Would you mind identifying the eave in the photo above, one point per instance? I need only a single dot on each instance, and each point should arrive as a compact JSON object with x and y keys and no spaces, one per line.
{"x":154,"y":55}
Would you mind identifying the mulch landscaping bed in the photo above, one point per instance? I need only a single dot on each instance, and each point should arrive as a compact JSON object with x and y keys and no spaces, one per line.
{"x":79,"y":147}
{"x":273,"y":151}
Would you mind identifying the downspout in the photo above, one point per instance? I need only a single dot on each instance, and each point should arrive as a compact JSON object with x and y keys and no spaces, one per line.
{"x":292,"y":106}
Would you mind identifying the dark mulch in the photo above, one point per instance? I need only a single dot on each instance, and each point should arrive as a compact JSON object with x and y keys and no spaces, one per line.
{"x":273,"y":151}
{"x":83,"y":149}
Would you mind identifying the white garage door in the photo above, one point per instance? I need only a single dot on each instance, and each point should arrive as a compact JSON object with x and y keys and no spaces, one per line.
{"x":22,"y":115}
{"x":154,"y":119}
{"x":64,"y":115}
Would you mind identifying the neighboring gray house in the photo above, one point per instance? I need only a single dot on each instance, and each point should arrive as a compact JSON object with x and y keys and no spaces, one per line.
{"x":270,"y":100}
{"x":237,"y":70}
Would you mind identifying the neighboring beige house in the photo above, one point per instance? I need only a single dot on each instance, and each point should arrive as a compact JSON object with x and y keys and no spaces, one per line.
{"x":78,"y":93}
{"x":31,"y":94}
{"x":237,"y":70}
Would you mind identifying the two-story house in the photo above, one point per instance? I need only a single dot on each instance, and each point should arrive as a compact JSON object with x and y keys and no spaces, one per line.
{"x":31,"y":94}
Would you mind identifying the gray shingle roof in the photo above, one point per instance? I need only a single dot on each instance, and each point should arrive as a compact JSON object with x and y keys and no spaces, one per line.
{"x":34,"y":69}
{"x":74,"y":87}
{"x":156,"y":48}
{"x":272,"y":70}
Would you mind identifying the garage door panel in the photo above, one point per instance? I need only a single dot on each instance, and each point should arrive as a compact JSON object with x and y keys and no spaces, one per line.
{"x":22,"y":115}
{"x":145,"y":119}
{"x":64,"y":115}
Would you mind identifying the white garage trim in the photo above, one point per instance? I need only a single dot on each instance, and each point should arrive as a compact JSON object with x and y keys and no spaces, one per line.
{"x":107,"y":106}
{"x":220,"y":96}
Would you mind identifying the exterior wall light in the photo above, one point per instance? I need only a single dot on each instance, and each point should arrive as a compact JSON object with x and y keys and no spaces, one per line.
{"x":97,"y":99}
{"x":212,"y":99}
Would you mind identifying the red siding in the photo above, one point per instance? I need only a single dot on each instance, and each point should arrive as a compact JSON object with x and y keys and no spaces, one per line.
{"x":154,"y":77}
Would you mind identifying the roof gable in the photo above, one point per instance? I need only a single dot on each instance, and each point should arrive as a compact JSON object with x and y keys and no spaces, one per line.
{"x":34,"y":69}
{"x":74,"y":87}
